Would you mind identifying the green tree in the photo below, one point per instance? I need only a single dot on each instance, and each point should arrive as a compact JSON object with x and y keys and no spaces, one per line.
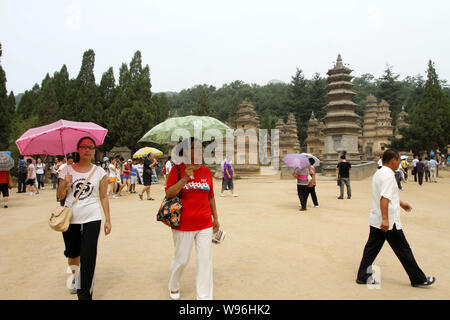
{"x":203,"y":107}
{"x":389,"y":89}
{"x":430,"y":124}
{"x":48,"y":111}
{"x":11,"y":103}
{"x":5,"y":114}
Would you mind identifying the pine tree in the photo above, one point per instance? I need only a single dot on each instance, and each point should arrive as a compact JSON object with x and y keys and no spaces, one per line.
{"x":86,"y":74}
{"x":389,"y":89}
{"x":430,"y":125}
{"x":203,"y":107}
{"x":48,"y":104}
{"x":5,"y":115}
{"x":11,"y":103}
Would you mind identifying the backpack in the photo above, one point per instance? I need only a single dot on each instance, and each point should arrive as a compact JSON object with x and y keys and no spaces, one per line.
{"x":23,"y":167}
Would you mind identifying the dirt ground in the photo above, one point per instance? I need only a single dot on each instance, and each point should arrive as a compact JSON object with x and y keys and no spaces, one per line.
{"x":271,"y":251}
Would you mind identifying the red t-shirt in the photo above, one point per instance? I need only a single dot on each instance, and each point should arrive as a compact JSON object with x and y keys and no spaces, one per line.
{"x":4,"y":176}
{"x":196,"y":213}
{"x":126,"y":167}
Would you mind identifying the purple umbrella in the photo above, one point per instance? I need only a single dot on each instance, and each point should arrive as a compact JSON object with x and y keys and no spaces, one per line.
{"x":296,"y":160}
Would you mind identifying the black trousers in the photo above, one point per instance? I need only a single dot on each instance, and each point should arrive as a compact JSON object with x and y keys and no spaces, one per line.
{"x":22,"y":187}
{"x":420,"y":177}
{"x":81,"y":241}
{"x":398,"y":243}
{"x":398,"y":178}
{"x":302,"y":192}
{"x":312,"y":192}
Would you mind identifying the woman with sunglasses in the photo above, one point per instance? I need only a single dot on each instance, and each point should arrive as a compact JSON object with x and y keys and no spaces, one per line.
{"x":81,"y":238}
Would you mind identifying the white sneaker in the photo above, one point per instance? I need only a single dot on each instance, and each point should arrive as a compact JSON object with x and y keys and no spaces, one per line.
{"x":235,"y":195}
{"x":316,"y":206}
{"x":70,"y":283}
{"x":222,"y":195}
{"x":174,"y":296}
{"x":115,"y":197}
{"x":43,"y":188}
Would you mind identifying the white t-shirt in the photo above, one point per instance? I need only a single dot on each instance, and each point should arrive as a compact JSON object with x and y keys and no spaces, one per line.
{"x":33,"y":172}
{"x":168,"y":167}
{"x":140,"y":168}
{"x":380,"y":163}
{"x":87,"y":208}
{"x":414,"y":162}
{"x":112,"y":170}
{"x":384,"y":185}
{"x":40,"y":168}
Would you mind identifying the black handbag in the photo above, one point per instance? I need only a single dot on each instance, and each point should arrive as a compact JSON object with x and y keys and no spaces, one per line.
{"x":170,"y":210}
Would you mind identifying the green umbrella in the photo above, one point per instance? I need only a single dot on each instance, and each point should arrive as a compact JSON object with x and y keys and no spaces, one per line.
{"x":192,"y":125}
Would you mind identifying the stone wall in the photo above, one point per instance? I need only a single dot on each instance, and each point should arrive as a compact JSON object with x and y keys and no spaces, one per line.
{"x":363,"y":170}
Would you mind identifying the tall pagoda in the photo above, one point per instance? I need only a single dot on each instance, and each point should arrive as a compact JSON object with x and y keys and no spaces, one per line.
{"x":370,"y":123}
{"x":341,"y":122}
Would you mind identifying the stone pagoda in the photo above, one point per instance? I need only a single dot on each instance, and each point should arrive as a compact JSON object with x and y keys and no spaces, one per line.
{"x":315,"y":138}
{"x":288,"y":138}
{"x":369,"y":129}
{"x":384,"y":127}
{"x":246,"y":119}
{"x":401,"y":122}
{"x":341,"y":122}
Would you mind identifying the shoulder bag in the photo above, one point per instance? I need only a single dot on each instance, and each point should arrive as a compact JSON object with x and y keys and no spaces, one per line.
{"x":169,"y":212}
{"x":62,"y":215}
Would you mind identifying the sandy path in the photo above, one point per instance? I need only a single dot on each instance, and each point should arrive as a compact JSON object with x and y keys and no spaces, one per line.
{"x":272,"y":251}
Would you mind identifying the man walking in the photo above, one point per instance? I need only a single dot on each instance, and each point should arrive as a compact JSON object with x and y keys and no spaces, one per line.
{"x":22,"y":175}
{"x":384,"y":221}
{"x":414,"y":169}
{"x":433,"y":165}
{"x":420,"y":169}
{"x":343,"y":171}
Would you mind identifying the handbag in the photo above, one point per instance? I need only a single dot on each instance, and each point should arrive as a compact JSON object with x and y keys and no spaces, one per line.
{"x":61,"y":216}
{"x":10,"y":181}
{"x":169,"y":212}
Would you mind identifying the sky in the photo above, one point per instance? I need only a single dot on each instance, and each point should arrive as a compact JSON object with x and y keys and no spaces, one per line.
{"x":187,"y":43}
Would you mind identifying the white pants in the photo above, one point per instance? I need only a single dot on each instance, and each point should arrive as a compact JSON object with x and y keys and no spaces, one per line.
{"x":433,"y":174}
{"x":183,"y":241}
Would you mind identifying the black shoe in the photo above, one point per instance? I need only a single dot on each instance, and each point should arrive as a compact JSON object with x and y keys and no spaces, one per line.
{"x":373,"y":281}
{"x":349,"y":197}
{"x":429,"y":282}
{"x":5,"y":206}
{"x":340,"y":198}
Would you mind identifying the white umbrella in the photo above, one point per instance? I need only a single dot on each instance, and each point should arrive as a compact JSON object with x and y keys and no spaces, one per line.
{"x":316,"y":160}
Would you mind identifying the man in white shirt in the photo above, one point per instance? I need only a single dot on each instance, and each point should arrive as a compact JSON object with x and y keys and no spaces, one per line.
{"x":414,"y":172}
{"x":432,"y":164}
{"x":384,"y":221}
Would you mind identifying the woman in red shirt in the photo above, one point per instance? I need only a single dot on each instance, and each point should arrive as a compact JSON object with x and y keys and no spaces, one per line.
{"x":198,"y":222}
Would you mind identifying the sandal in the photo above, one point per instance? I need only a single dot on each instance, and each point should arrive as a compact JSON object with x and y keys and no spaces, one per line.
{"x":150,"y":199}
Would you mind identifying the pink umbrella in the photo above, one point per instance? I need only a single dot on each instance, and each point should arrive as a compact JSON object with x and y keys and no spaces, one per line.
{"x":296,"y":160}
{"x":59,"y":138}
